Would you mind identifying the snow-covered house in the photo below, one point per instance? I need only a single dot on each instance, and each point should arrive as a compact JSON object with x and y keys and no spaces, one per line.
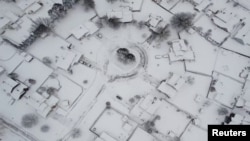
{"x":156,"y":23}
{"x":14,"y":88}
{"x":180,"y":51}
{"x":4,"y":23}
{"x":243,"y":3}
{"x":65,"y":59}
{"x":84,"y":30}
{"x":19,"y":31}
{"x":136,"y":5}
{"x":146,"y":108}
{"x":33,"y":8}
{"x":171,"y":86}
{"x":202,"y":5}
{"x":122,"y":15}
{"x":227,"y":20}
{"x":79,"y":31}
{"x":42,"y":105}
{"x":166,"y":4}
{"x":24,"y":4}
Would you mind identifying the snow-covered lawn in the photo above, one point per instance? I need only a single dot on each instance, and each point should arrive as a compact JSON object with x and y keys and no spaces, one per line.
{"x":114,"y":124}
{"x":171,"y":120}
{"x":231,"y":64}
{"x":226,"y":90}
{"x":191,"y":97}
{"x":160,"y":68}
{"x":67,"y":90}
{"x":209,"y":115}
{"x":33,"y":70}
{"x":205,"y":54}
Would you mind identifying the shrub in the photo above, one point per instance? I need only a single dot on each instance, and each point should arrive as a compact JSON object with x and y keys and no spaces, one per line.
{"x":13,"y":75}
{"x":108,"y":105}
{"x":222,"y":111}
{"x":140,"y":24}
{"x":76,"y":133}
{"x":212,"y":89}
{"x":51,"y":90}
{"x":32,"y":81}
{"x":113,"y":23}
{"x":45,"y":128}
{"x":29,"y":120}
{"x":190,"y":80}
{"x":47,"y":60}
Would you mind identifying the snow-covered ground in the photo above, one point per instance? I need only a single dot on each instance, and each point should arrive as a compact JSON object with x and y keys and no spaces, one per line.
{"x":71,"y":84}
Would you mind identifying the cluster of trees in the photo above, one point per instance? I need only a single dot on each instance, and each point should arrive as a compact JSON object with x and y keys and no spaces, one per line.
{"x":58,"y":10}
{"x":125,"y":56}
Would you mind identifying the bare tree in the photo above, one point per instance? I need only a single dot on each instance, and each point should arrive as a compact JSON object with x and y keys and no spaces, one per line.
{"x":181,"y":21}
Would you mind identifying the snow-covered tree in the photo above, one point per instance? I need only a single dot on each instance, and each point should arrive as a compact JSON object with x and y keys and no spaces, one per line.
{"x":57,"y":11}
{"x":111,"y":1}
{"x":68,"y":3}
{"x":29,"y":120}
{"x":89,"y":4}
